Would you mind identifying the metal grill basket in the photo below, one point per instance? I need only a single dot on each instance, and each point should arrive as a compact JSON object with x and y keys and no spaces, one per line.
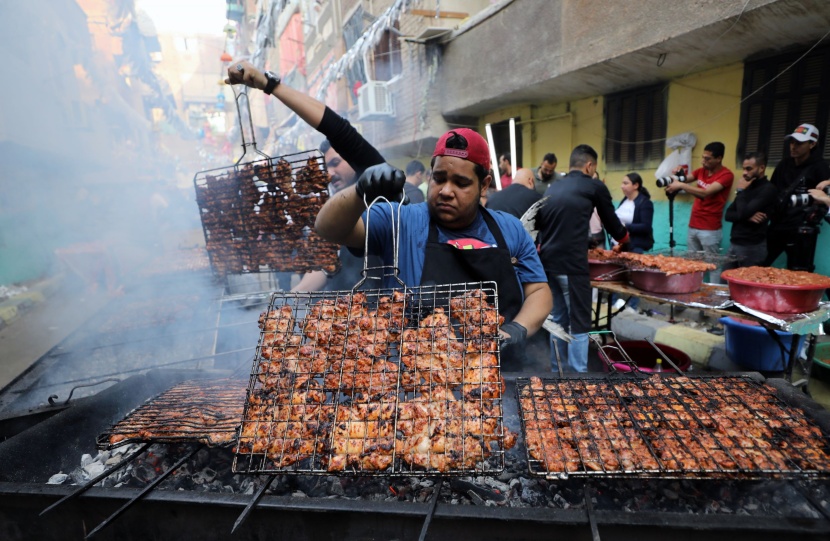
{"x":207,"y":411}
{"x":376,"y":382}
{"x":667,"y":427}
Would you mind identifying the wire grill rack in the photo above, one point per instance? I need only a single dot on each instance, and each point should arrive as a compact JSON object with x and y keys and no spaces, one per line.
{"x":699,"y":255}
{"x":376,"y":382}
{"x":668,"y":427}
{"x":207,"y":411}
{"x":259,"y":216}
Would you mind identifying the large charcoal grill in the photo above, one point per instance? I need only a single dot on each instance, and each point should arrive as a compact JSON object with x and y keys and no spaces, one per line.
{"x":28,"y":459}
{"x":169,"y":513}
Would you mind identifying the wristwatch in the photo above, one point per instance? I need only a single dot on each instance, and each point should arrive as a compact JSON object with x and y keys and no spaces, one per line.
{"x":273,"y":81}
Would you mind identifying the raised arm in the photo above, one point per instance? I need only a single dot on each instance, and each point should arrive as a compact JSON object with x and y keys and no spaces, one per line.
{"x":306,"y":107}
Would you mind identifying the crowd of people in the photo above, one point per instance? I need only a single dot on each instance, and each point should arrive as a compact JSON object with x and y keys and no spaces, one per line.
{"x":454,"y":228}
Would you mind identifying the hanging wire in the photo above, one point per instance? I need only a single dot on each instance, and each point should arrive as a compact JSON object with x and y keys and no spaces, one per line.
{"x":731,"y":108}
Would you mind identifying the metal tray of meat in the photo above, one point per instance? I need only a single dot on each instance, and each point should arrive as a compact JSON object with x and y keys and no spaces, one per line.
{"x":667,"y":426}
{"x":604,"y":271}
{"x":655,"y":281}
{"x":376,"y":382}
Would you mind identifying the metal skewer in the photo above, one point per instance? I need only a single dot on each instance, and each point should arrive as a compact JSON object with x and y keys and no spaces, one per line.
{"x":665,"y":357}
{"x":431,"y":511}
{"x":157,"y":481}
{"x":589,"y":510}
{"x":250,"y":507}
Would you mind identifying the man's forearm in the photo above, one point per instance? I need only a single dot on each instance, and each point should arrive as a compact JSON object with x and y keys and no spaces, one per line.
{"x":696,"y":191}
{"x":311,"y":281}
{"x":536,"y":307}
{"x":338,"y":220}
{"x":306,"y":107}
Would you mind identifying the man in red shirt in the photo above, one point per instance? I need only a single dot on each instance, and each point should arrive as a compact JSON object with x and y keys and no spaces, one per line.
{"x":711,"y":190}
{"x":506,"y":170}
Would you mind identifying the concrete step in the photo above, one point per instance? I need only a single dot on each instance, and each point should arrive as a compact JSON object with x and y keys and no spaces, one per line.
{"x":706,"y":350}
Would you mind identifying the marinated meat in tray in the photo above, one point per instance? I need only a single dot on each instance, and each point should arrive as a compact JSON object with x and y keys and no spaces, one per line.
{"x":782,"y":277}
{"x":376,"y":381}
{"x":667,"y":264}
{"x":673,"y":426}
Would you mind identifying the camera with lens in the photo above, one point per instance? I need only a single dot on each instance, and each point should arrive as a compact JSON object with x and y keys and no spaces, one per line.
{"x":805,"y":199}
{"x":662,"y":182}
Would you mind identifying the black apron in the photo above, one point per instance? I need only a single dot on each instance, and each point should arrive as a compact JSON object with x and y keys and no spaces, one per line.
{"x":446,"y":264}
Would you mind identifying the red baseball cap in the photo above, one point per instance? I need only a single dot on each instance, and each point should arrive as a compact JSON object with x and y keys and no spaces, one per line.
{"x":477,"y":150}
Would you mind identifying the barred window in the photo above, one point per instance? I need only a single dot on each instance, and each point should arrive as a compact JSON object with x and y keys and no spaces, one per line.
{"x":798,"y":95}
{"x":635,"y":127}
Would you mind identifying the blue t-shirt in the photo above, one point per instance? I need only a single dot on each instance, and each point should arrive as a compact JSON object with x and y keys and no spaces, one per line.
{"x":415,"y":231}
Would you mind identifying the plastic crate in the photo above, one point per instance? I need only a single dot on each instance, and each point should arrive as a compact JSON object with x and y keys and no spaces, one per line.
{"x":749,"y":345}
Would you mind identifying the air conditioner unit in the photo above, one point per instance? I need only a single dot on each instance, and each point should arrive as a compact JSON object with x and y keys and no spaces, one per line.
{"x":374,"y":101}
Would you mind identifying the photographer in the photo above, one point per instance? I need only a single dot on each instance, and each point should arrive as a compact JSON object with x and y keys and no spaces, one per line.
{"x":749,"y":213}
{"x":711,"y":192}
{"x":795,"y":229}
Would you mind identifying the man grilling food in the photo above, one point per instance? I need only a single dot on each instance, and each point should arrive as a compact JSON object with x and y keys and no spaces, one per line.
{"x":449,"y":238}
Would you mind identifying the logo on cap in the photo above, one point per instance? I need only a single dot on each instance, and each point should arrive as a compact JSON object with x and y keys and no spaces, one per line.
{"x":456,"y":152}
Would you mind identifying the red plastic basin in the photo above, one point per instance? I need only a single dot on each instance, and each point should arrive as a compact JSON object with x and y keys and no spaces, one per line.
{"x":775,"y":298}
{"x":644,"y":356}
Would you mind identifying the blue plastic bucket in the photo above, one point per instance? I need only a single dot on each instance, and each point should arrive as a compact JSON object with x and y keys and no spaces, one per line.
{"x":749,"y":345}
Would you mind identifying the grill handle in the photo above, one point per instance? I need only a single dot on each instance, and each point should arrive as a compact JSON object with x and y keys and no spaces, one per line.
{"x":665,"y":357}
{"x":396,"y":229}
{"x":237,"y":97}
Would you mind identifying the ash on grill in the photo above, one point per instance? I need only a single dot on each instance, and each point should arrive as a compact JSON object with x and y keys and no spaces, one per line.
{"x":376,"y":382}
{"x":261,"y":215}
{"x":210,"y":471}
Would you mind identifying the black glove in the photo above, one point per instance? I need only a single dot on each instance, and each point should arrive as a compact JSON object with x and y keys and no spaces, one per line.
{"x":516,"y":331}
{"x":382,"y":180}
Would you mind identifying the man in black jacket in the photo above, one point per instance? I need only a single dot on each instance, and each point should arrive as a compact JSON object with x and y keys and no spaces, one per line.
{"x":562,"y":223}
{"x":749,"y":213}
{"x":795,"y":230}
{"x":516,"y":198}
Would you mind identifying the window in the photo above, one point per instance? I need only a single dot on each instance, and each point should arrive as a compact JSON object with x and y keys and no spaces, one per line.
{"x":770,"y":112}
{"x":635,"y":127}
{"x":501,"y":140}
{"x":352,"y":30}
{"x":387,"y":58}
